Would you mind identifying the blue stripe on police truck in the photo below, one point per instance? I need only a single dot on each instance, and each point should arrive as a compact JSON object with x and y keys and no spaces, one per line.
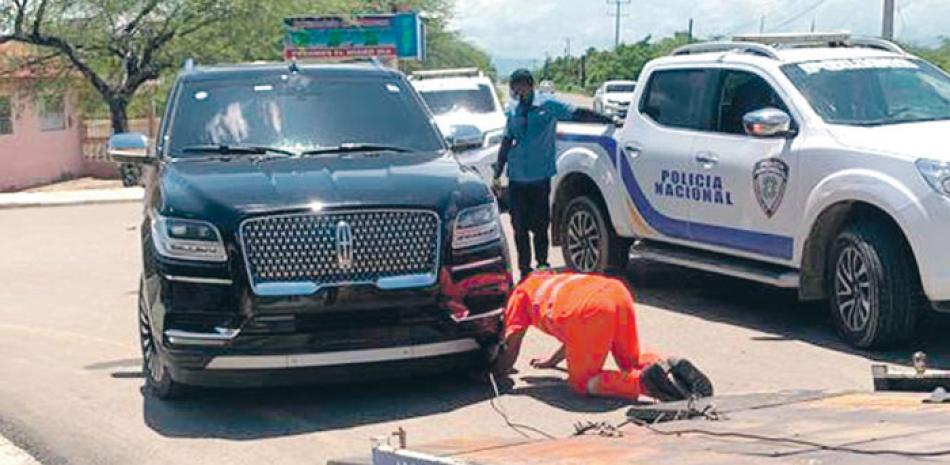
{"x":749,"y":241}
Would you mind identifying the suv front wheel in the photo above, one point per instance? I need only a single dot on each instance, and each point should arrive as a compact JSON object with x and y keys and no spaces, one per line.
{"x":876,"y":295}
{"x":157,"y":378}
{"x":589,"y":243}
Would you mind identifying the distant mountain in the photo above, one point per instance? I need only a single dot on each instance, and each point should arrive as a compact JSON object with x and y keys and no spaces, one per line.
{"x":505,"y":66}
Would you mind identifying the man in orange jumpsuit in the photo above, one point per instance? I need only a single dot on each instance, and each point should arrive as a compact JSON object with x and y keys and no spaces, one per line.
{"x":593,"y":316}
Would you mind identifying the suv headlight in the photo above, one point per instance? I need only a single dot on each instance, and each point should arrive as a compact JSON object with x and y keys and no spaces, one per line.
{"x":936,"y":173}
{"x":476,"y":226}
{"x":187,"y":239}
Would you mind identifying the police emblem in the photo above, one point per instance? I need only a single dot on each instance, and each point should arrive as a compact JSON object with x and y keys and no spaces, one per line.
{"x":769,"y":178}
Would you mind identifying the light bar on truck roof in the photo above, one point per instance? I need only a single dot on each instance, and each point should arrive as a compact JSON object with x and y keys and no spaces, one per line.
{"x":444,"y":73}
{"x":796,"y":39}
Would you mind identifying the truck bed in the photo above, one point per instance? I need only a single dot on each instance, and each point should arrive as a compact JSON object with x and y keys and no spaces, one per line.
{"x":786,"y":428}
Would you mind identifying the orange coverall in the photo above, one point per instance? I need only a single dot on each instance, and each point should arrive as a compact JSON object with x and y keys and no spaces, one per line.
{"x":593,"y":316}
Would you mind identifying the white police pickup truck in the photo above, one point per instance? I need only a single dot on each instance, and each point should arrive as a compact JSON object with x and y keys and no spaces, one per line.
{"x":817,"y":162}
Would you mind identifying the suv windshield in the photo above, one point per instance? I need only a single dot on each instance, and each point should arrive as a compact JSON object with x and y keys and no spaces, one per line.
{"x":873,"y":91}
{"x":621,"y":88}
{"x":475,"y":100}
{"x":299,"y":112}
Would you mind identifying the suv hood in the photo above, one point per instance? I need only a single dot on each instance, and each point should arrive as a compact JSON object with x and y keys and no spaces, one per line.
{"x":241,"y":187}
{"x":914,"y":140}
{"x":483,"y":121}
{"x":625,"y":97}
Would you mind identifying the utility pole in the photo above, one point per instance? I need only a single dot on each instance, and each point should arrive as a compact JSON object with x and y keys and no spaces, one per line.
{"x":762,"y":25}
{"x":690,"y":30}
{"x":813,"y":20}
{"x":619,"y":14}
{"x":887,"y":29}
{"x":567,"y":46}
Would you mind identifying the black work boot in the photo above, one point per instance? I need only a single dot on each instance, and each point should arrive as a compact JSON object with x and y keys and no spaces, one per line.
{"x":697,"y":383}
{"x":659,"y":383}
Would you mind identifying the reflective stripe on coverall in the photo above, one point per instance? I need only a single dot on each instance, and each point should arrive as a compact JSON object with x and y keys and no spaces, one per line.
{"x":593,"y":316}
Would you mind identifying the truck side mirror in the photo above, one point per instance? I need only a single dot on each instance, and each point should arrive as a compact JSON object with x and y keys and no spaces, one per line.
{"x":129,"y":147}
{"x":768,"y":122}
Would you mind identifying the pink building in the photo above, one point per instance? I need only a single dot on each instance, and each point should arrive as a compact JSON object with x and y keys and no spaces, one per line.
{"x":41,"y":136}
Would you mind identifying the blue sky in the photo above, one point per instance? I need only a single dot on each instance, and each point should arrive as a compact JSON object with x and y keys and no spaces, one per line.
{"x":529,"y":29}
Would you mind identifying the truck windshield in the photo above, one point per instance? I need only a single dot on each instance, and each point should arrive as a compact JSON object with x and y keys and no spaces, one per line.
{"x":299,"y":113}
{"x":477,"y":100}
{"x":873,"y":91}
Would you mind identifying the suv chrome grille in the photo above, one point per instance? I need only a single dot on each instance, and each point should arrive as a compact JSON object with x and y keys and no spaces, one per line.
{"x":336,"y":248}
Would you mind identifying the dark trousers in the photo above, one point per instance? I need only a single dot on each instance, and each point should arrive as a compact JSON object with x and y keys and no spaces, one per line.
{"x":530,"y":213}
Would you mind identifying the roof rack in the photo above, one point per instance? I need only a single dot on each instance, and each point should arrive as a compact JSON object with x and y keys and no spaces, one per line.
{"x":735,"y":46}
{"x":875,"y":43}
{"x":767,"y":45}
{"x":827,"y":39}
{"x":444,"y":73}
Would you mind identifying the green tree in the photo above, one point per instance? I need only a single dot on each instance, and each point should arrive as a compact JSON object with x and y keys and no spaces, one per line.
{"x":115,"y":45}
{"x":939,"y":56}
{"x":594,"y":67}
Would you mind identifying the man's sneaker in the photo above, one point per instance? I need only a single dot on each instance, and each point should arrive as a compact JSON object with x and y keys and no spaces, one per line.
{"x":697,"y":383}
{"x":659,"y":383}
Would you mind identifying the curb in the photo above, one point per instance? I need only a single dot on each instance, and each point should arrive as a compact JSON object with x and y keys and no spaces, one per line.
{"x":10,"y":454}
{"x":61,"y":199}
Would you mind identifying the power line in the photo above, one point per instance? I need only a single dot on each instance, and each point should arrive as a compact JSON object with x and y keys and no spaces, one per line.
{"x":619,"y":14}
{"x":743,"y":26}
{"x":800,"y":15}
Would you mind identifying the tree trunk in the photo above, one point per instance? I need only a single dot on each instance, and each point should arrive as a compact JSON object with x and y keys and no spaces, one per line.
{"x":118,"y":113}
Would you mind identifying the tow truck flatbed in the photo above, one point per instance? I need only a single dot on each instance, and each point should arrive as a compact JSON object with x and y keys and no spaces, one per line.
{"x":785,"y":428}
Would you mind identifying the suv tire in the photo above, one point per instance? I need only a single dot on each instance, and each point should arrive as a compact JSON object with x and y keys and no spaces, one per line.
{"x":157,"y":378}
{"x":589,"y":242}
{"x":131,"y":174}
{"x":876,"y":296}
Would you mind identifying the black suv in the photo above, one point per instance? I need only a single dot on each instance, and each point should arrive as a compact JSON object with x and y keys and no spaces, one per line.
{"x":306,"y":224}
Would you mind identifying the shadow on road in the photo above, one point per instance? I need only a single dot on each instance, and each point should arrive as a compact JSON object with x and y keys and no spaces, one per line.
{"x":247,"y":414}
{"x":767,"y":309}
{"x":555,"y":392}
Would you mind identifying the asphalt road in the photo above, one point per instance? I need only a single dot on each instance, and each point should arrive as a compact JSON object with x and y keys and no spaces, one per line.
{"x":71,"y":388}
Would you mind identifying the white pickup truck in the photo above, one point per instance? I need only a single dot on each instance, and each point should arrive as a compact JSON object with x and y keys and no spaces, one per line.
{"x":818,"y":162}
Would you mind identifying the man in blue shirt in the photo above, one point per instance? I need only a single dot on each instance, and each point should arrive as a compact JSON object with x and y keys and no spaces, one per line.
{"x":528,"y":148}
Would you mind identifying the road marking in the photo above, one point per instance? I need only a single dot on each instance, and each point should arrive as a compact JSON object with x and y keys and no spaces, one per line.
{"x":13,"y":455}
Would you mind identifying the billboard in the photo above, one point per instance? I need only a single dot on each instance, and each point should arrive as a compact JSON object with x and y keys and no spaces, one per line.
{"x":399,"y":35}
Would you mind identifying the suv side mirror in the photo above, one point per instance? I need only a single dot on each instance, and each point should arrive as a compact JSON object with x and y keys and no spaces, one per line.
{"x":768,"y":122}
{"x":464,"y":137}
{"x":129,"y":147}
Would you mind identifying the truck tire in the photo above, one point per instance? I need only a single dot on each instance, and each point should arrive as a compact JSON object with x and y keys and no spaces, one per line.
{"x":590,"y":244}
{"x":157,"y":378}
{"x":876,"y":296}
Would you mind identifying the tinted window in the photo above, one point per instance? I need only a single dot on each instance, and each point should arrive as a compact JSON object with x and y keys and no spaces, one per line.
{"x":623,"y":88}
{"x":301,"y":112}
{"x":479,"y":100}
{"x":679,"y":98}
{"x":742,"y":93}
{"x":873,"y":91}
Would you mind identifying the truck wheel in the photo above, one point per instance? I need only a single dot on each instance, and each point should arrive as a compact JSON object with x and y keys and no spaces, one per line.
{"x":589,"y":244}
{"x":876,"y":295}
{"x":157,"y":378}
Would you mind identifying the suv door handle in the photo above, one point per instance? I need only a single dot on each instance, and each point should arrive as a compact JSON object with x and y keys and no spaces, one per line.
{"x":632,"y":150}
{"x":707,"y":159}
